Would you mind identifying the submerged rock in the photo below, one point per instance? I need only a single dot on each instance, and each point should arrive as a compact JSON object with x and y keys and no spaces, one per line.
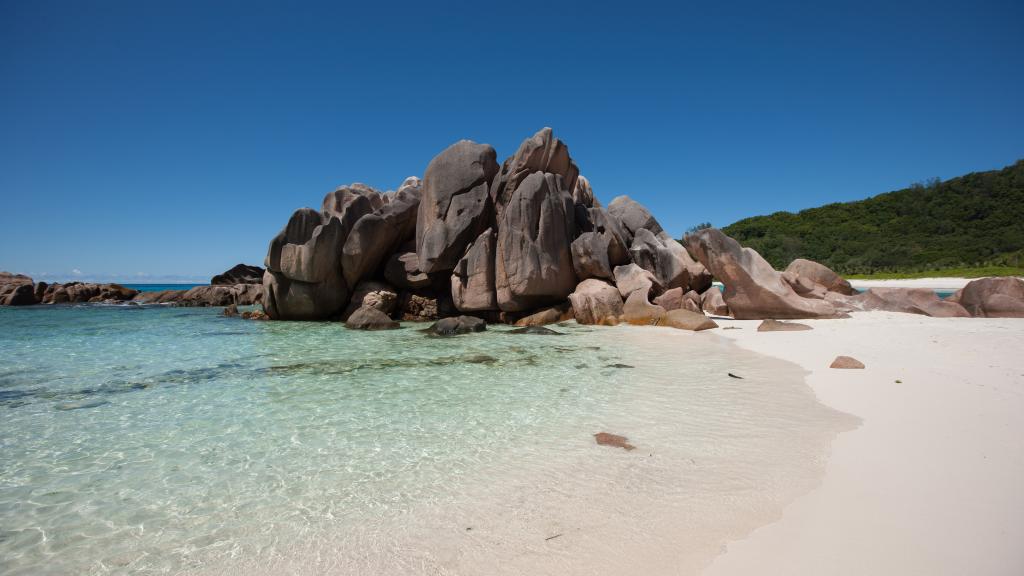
{"x":457,"y":325}
{"x":607,"y":439}
{"x":536,"y":331}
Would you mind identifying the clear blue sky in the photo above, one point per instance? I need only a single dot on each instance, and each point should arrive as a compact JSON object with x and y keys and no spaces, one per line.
{"x":175,"y":138}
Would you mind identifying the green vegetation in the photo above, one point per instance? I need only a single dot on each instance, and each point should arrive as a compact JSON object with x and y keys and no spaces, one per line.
{"x":971,"y":225}
{"x":943,"y":273}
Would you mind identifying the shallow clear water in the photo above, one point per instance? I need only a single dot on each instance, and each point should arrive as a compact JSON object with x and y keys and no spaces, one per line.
{"x":168,"y":440}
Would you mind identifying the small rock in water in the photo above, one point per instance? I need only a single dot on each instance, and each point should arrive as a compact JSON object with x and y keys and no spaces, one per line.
{"x":617,"y":365}
{"x":847,"y":362}
{"x":457,"y":325}
{"x":606,"y":439}
{"x":80,"y":405}
{"x":778,"y":326}
{"x":731,"y":375}
{"x":230,"y":311}
{"x":536,"y":330}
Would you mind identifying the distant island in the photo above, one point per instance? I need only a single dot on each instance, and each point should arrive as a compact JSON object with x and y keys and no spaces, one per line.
{"x":969,"y":226}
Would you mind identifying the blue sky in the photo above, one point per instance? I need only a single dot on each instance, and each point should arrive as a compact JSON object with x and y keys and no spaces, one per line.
{"x":174,"y":139}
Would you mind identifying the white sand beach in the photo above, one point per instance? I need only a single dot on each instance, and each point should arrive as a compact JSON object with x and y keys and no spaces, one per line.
{"x":930,"y":283}
{"x":931,"y":482}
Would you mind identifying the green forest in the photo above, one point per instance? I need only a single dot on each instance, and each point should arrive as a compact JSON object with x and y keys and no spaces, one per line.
{"x":970,"y":222}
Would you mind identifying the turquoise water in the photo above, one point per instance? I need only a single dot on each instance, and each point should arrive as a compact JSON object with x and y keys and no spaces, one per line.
{"x":159,"y":287}
{"x":172,"y":440}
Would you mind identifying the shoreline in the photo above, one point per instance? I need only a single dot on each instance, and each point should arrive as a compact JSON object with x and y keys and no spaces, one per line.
{"x":929,"y":483}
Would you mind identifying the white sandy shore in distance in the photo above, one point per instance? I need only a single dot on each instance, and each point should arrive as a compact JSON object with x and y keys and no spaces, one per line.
{"x":932,"y":482}
{"x":930,"y":283}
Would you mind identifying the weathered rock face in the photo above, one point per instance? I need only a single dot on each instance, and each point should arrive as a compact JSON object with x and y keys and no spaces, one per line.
{"x":542,"y":152}
{"x":632,"y":216}
{"x":992,"y":298}
{"x":239,"y":274}
{"x":596,"y":302}
{"x":370,"y":318}
{"x":377,"y":235}
{"x":713,"y":303}
{"x":910,"y":301}
{"x":533,"y":267}
{"x":630,"y":278}
{"x":637,"y":310}
{"x":403,"y":269}
{"x":600,"y":247}
{"x":583,"y":194}
{"x":304,"y":279}
{"x":803,"y":286}
{"x":372,"y":294}
{"x":473,"y":286}
{"x":455,"y":206}
{"x":8,"y":278}
{"x":349,"y":203}
{"x":17,"y":295}
{"x":820,"y":274}
{"x":78,"y":292}
{"x":668,"y":261}
{"x":753,"y":289}
{"x":417,"y":307}
{"x":670,"y":299}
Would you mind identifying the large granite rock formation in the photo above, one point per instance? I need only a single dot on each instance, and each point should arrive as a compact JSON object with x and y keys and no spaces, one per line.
{"x":375,"y":236}
{"x":304,"y":280}
{"x":668,"y":261}
{"x":992,"y":297}
{"x":239,"y":274}
{"x":541,"y":152}
{"x":633,"y":216}
{"x":753,"y":289}
{"x":533,"y":266}
{"x":455,"y":205}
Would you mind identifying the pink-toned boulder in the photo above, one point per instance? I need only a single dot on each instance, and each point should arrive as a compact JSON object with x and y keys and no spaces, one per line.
{"x":753,"y":289}
{"x":639,"y":311}
{"x":670,"y":299}
{"x":630,"y":278}
{"x":473,"y":278}
{"x":911,"y":301}
{"x":778,"y":326}
{"x":992,"y":298}
{"x":687,"y":320}
{"x":821,"y":275}
{"x":847,"y":363}
{"x":691,"y":302}
{"x":713,"y":303}
{"x":552,"y":315}
{"x":596,"y":302}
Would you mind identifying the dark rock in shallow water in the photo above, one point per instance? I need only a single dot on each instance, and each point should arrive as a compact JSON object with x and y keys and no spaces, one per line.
{"x":606,"y":439}
{"x":239,"y":274}
{"x":457,"y":325}
{"x":536,"y":330}
{"x":617,"y":365}
{"x":370,"y":318}
{"x":80,"y":405}
{"x":230,"y":311}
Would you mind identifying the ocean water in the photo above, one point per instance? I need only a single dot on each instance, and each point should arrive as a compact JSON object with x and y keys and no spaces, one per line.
{"x":138,"y":440}
{"x":160,"y":287}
